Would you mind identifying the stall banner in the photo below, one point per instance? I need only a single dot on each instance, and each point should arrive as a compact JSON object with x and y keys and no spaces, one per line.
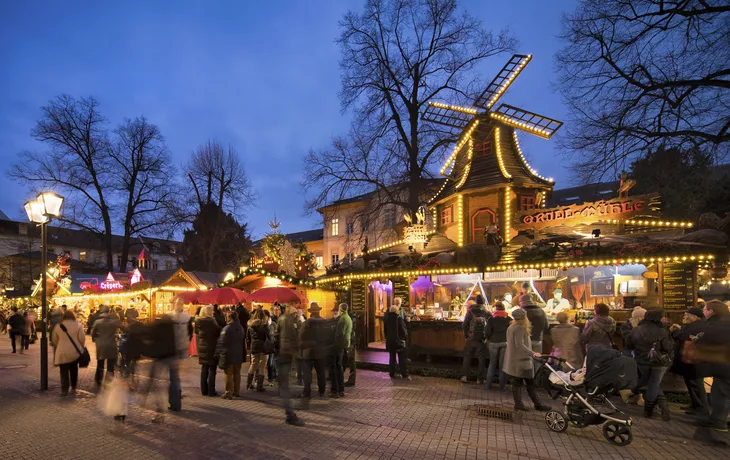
{"x":591,"y":212}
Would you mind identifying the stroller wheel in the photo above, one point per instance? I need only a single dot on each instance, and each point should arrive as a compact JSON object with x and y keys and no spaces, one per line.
{"x":556,"y":421}
{"x":618,"y":434}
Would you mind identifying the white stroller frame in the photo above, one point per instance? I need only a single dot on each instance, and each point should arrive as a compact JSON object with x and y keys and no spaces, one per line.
{"x":617,"y":431}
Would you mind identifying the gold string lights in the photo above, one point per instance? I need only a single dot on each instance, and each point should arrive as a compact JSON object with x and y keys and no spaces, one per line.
{"x":498,"y":149}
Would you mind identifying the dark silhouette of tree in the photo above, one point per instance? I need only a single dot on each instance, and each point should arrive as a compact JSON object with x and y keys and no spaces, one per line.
{"x":680,"y":177}
{"x":640,"y":75}
{"x":217,"y":175}
{"x":216,"y":242}
{"x":396,"y":56}
{"x":144,"y":181}
{"x":77,"y":165}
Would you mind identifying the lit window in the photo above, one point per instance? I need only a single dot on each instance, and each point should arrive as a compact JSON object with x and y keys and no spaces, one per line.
{"x":447,"y":215}
{"x":482,"y":149}
{"x":82,"y":256}
{"x":350,"y":228}
{"x":319,"y":260}
{"x":335,"y":259}
{"x":527,"y":202}
{"x":335,"y":227}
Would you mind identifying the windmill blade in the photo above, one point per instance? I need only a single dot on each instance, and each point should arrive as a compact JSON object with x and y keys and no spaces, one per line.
{"x":448,"y":115}
{"x":502,"y":81}
{"x":527,"y":121}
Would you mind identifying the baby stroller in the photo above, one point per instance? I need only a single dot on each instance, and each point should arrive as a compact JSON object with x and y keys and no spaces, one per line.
{"x":586,"y":402}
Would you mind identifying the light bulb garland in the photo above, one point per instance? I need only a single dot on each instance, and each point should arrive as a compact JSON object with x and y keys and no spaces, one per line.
{"x":588,"y":262}
{"x":507,"y":213}
{"x":467,"y":167}
{"x":246,"y":271}
{"x":460,"y":218}
{"x":524,"y":162}
{"x":465,"y":138}
{"x":503,"y":87}
{"x":500,"y":160}
{"x":456,"y":108}
{"x":545,"y":134}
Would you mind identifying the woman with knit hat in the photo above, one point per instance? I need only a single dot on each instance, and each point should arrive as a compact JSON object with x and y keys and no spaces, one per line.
{"x":518,"y":361}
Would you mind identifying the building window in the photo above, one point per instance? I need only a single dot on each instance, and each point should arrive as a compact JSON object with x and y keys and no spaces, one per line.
{"x":364,"y":225}
{"x":349,"y":258}
{"x":82,"y":256}
{"x":389,"y":216}
{"x":350,"y":228}
{"x":155,"y":247}
{"x":447,"y":215}
{"x":154,"y":265}
{"x":335,"y":259}
{"x":119,"y":262}
{"x":335,"y":227}
{"x":168,"y":265}
{"x":319,"y":261}
{"x":483,"y":149}
{"x":527,"y":202}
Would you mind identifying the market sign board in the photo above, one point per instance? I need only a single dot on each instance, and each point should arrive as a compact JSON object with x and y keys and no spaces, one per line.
{"x":591,"y":212}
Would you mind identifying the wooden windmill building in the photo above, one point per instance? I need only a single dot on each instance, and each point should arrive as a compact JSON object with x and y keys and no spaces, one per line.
{"x":487,"y":177}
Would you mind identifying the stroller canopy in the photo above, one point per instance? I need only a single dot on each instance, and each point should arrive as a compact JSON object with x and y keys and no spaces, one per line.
{"x":607,"y":368}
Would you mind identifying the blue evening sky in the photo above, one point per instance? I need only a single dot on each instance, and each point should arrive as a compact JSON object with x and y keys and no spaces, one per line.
{"x":262,"y":76}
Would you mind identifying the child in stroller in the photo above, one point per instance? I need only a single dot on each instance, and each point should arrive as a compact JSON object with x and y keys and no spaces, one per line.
{"x":585,"y":392}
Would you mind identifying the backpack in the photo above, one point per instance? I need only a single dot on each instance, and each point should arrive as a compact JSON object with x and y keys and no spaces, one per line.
{"x":478,"y":328}
{"x":658,"y":357}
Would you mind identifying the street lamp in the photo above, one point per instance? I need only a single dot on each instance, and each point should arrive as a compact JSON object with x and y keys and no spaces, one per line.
{"x":45,"y":207}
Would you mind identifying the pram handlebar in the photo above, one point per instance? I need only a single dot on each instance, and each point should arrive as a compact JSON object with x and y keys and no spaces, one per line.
{"x":546,"y":358}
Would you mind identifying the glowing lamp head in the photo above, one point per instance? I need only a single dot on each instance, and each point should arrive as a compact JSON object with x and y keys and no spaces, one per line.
{"x":34,"y":210}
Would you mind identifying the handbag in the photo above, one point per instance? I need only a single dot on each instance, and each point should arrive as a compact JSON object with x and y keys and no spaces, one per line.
{"x":689,"y":352}
{"x":658,"y":357}
{"x":84,"y":357}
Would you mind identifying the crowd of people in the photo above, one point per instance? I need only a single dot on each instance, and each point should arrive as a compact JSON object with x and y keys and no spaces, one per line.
{"x":285,"y":342}
{"x":696,"y":349}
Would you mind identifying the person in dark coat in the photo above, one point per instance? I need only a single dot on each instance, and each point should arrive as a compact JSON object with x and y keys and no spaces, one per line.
{"x":396,"y":337}
{"x":132,"y":345}
{"x":256,"y":337}
{"x":16,"y":323}
{"x":207,"y":332}
{"x":230,"y":355}
{"x":287,"y":340}
{"x":104,"y":336}
{"x":713,"y":360}
{"x":600,"y":329}
{"x":692,"y":320}
{"x":315,"y":341}
{"x":161,"y":346}
{"x":474,"y":328}
{"x":496,"y":333}
{"x":538,"y":322}
{"x":219,"y":317}
{"x":349,"y":358}
{"x":649,"y":342}
{"x":243,"y":317}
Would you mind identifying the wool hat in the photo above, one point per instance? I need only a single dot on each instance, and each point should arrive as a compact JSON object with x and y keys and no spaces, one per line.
{"x":696,"y":311}
{"x":526,"y":301}
{"x":519,"y":314}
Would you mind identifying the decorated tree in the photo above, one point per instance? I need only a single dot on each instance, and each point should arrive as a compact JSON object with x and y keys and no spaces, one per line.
{"x":274,"y":242}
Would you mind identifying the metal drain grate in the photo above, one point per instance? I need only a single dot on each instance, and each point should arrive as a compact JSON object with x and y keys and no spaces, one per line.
{"x":496,"y":413}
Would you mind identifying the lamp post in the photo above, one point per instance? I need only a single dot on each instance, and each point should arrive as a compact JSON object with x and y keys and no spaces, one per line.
{"x":45,"y":207}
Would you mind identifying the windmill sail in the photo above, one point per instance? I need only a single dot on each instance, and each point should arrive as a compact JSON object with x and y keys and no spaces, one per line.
{"x":527,"y":121}
{"x":502,"y":81}
{"x":448,"y":115}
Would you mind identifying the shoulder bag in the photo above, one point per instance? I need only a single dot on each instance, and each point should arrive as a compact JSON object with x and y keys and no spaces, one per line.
{"x":84,"y":358}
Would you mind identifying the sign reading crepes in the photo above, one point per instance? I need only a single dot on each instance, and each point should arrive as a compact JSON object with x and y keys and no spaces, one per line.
{"x":585,"y":213}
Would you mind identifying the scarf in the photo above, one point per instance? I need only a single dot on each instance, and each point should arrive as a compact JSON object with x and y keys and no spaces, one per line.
{"x":500,"y":314}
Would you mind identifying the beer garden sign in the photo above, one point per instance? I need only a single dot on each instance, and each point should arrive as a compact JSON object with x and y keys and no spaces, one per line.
{"x":592,"y":212}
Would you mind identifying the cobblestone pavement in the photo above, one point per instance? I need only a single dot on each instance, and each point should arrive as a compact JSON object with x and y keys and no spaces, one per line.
{"x":427,"y":418}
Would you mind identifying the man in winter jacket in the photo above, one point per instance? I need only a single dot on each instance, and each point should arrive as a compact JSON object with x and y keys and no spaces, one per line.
{"x":183,"y":329}
{"x":161,"y":346}
{"x":288,"y":343}
{"x":313,"y":340}
{"x":600,"y":329}
{"x":475,"y":327}
{"x":343,"y":332}
{"x":104,"y":336}
{"x":713,"y":356}
{"x":229,"y":353}
{"x":16,"y":323}
{"x":692,"y":321}
{"x":538,"y":320}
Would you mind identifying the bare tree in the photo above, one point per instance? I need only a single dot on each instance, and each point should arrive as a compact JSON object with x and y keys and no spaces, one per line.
{"x":643,"y":75}
{"x":145,"y":180}
{"x":217,"y":176}
{"x":396,"y":57}
{"x":76,"y":165}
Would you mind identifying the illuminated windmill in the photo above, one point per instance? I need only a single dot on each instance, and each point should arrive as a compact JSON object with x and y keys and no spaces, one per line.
{"x":488,"y":156}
